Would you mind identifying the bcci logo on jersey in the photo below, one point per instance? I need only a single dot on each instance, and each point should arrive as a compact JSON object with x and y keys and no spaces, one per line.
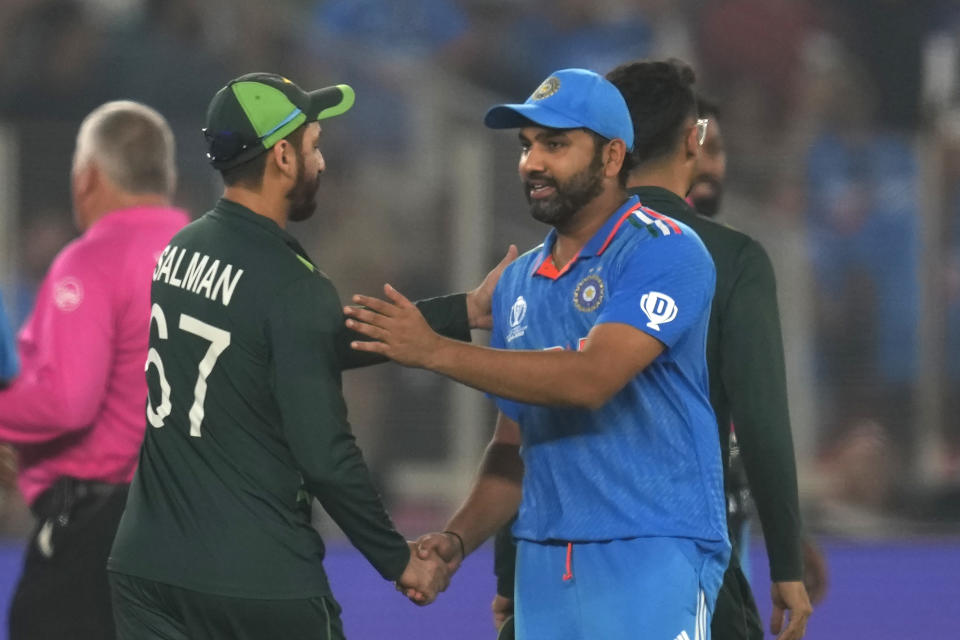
{"x":517,"y":313}
{"x":589,"y":293}
{"x":659,"y":307}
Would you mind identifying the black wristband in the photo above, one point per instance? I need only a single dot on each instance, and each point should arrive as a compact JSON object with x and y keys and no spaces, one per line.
{"x":463,"y":548}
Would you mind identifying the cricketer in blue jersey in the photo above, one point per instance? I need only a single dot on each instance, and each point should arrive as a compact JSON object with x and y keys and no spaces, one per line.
{"x":597,"y":365}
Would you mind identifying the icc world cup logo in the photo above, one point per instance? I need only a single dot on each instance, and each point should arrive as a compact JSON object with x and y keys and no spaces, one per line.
{"x":659,"y":307}
{"x":518,"y":311}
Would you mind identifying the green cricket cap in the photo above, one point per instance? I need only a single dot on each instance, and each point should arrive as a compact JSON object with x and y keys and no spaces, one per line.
{"x":257,"y":110}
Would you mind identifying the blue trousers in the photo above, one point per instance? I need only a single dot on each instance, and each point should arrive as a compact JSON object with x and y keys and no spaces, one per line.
{"x":657,"y":588}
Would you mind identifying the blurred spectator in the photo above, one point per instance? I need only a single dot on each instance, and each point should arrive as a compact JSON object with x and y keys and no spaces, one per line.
{"x":167,"y":39}
{"x":49,"y":50}
{"x":414,"y":28}
{"x":384,"y":47}
{"x":951,"y":282}
{"x":862,"y":230}
{"x":895,"y":67}
{"x":558,"y":34}
{"x":755,"y":43}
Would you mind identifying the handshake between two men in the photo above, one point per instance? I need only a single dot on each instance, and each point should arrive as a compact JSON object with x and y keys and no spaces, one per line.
{"x":434,"y":558}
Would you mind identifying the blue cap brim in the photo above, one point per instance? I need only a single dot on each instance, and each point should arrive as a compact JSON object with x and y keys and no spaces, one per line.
{"x":516,"y":116}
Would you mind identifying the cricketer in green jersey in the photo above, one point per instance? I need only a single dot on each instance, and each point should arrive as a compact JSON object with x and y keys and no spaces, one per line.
{"x":247,"y":418}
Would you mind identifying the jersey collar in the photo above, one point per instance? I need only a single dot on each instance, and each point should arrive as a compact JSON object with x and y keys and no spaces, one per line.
{"x":228,"y":209}
{"x":543,"y":265}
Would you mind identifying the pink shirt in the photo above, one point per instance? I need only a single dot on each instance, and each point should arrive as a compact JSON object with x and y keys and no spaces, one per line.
{"x":77,"y":407}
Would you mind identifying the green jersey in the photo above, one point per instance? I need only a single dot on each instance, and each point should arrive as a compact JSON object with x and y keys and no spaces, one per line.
{"x":247,"y":420}
{"x":748,"y":385}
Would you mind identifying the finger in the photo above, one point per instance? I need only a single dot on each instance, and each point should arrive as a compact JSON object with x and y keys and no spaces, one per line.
{"x":425,"y":550}
{"x":382,"y":307}
{"x":369,"y":330}
{"x":423,"y":598}
{"x":431,"y":543}
{"x":796,"y":627}
{"x":512,"y":253}
{"x":776,"y":620}
{"x":396,"y":297}
{"x":371,"y":347}
{"x":366,"y":315}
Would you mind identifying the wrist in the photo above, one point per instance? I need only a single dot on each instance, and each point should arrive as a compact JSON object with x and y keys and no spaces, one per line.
{"x":436,"y":355}
{"x":456,"y":536}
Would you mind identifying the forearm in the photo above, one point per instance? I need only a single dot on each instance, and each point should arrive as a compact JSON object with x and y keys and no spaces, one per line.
{"x":771,"y":473}
{"x":348,"y":494}
{"x":494,"y":499}
{"x":36,"y":410}
{"x":550,"y":378}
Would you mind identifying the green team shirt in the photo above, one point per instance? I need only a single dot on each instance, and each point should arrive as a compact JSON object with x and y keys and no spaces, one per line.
{"x":748,"y":385}
{"x":246,"y":419}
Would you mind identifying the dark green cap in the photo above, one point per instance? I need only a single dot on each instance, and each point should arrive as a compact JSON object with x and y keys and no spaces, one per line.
{"x":254,"y":112}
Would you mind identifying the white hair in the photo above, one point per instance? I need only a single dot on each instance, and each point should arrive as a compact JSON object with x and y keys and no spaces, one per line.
{"x":132,"y":144}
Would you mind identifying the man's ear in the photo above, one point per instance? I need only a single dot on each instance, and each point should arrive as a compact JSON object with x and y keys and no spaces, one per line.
{"x":283,"y":155}
{"x":691,"y":143}
{"x":85,"y":180}
{"x":614,"y":156}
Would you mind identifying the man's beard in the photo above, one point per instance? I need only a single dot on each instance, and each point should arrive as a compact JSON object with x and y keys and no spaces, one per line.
{"x":706,"y":200}
{"x":569,"y":196}
{"x":302,"y":195}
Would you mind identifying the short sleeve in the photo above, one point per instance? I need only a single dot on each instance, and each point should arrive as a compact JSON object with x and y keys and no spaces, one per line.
{"x":663,"y":287}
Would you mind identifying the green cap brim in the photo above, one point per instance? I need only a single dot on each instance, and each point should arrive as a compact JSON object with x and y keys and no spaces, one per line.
{"x":324,"y":103}
{"x":332,"y":101}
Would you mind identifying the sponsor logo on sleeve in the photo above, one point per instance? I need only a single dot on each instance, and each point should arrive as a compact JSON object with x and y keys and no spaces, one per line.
{"x":67,"y":294}
{"x":517,"y":314}
{"x":659,"y":309}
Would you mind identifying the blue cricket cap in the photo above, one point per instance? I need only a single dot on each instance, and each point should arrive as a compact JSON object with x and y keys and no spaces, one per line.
{"x":570,"y":99}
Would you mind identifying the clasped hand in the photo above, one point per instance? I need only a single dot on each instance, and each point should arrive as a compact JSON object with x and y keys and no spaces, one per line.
{"x":434,"y":558}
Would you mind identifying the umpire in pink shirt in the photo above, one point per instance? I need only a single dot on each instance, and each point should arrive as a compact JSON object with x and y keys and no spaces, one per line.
{"x":75,"y":413}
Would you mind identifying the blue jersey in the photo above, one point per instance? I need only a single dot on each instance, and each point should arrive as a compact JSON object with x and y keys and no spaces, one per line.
{"x":648,"y":462}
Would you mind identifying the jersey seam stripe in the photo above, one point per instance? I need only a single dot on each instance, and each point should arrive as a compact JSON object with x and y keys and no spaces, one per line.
{"x":650,"y":223}
{"x":616,"y":227}
{"x":660,"y":216}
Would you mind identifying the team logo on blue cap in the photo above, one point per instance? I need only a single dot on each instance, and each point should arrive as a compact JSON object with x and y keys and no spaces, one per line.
{"x":589,"y":293}
{"x":547,"y":88}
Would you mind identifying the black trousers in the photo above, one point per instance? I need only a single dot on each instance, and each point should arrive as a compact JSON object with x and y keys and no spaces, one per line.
{"x":735,"y":616}
{"x":63,"y":592}
{"x":148,"y":610}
